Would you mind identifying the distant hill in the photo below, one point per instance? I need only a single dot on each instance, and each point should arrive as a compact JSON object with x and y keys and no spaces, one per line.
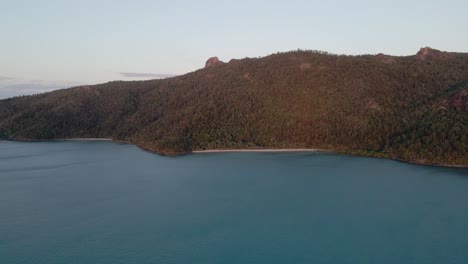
{"x":411,"y":108}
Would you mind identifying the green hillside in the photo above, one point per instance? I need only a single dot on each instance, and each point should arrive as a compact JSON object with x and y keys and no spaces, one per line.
{"x":412,"y":108}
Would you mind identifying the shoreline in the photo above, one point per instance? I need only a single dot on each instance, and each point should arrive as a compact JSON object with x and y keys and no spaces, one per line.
{"x":257,"y":150}
{"x":266,"y":150}
{"x":83,"y":139}
{"x":421,"y":163}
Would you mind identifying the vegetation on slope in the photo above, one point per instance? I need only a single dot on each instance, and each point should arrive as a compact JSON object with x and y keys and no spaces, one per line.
{"x":411,"y":108}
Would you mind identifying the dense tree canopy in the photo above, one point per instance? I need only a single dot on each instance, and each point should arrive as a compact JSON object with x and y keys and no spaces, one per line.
{"x":410,"y":108}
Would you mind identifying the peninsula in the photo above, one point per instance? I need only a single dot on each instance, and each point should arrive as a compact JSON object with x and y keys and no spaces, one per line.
{"x":411,"y":108}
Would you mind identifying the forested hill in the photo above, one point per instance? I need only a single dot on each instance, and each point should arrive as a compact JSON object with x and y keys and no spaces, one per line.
{"x":413,"y":108}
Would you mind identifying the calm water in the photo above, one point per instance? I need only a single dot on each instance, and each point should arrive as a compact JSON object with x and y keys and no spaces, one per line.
{"x":101,"y":202}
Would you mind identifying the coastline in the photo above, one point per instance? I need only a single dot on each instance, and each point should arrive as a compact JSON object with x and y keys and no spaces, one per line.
{"x":414,"y":162}
{"x":423,"y":163}
{"x":83,"y":139}
{"x":266,"y":150}
{"x":257,"y":150}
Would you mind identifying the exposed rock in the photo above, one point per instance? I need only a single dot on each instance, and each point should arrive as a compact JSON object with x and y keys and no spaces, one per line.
{"x":457,"y":101}
{"x":213,"y":61}
{"x":428,"y":53}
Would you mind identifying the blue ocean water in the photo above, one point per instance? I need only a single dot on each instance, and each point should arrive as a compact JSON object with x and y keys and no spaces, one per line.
{"x":103,"y":202}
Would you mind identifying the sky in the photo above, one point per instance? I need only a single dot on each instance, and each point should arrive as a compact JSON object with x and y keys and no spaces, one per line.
{"x":48,"y":44}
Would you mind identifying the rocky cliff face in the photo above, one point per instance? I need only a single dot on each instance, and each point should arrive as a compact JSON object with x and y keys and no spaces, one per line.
{"x":428,"y":53}
{"x":213,"y":61}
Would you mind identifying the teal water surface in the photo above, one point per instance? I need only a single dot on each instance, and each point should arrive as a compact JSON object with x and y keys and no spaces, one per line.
{"x":102,"y":202}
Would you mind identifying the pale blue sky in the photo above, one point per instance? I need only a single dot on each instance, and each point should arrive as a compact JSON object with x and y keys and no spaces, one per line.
{"x":50,"y":44}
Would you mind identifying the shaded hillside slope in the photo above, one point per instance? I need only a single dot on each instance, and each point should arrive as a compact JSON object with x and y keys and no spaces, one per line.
{"x":412,"y":108}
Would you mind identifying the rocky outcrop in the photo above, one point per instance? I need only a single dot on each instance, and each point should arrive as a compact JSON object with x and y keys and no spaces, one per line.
{"x":213,"y":61}
{"x":428,"y":53}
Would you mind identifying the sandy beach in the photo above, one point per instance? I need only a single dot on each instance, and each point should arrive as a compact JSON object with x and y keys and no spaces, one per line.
{"x":255,"y":150}
{"x":86,"y":139}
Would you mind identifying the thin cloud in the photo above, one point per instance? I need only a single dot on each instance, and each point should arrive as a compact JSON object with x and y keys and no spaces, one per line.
{"x":145,"y":75}
{"x":28,"y":88}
